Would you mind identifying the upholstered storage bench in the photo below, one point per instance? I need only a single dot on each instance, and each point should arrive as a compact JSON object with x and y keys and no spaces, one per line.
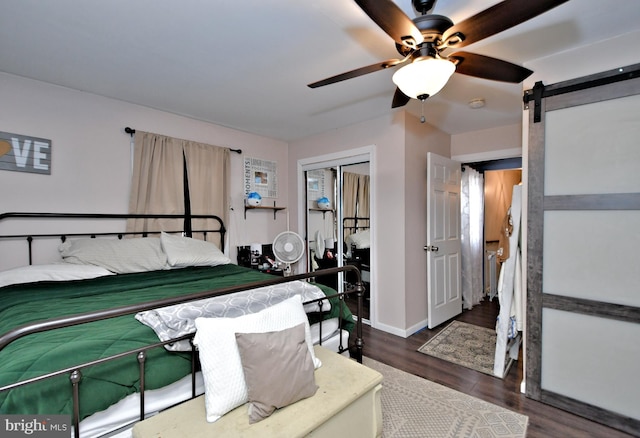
{"x":347,"y":403}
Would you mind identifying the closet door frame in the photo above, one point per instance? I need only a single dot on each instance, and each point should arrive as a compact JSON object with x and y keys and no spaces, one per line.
{"x":614,"y":84}
{"x":343,"y":158}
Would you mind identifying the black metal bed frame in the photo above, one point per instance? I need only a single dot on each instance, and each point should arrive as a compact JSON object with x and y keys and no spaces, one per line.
{"x":355,"y":226}
{"x":75,"y":372}
{"x":187,"y":229}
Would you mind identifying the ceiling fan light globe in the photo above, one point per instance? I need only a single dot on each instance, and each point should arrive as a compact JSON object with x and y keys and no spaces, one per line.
{"x":424,"y":76}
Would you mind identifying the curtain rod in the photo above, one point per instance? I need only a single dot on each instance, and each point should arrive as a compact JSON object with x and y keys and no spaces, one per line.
{"x":132,"y":131}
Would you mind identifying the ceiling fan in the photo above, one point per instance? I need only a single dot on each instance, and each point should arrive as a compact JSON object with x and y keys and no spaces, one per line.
{"x":422,"y":42}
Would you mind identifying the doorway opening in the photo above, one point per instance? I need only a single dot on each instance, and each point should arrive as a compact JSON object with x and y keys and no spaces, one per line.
{"x":498,"y":178}
{"x":498,"y":189}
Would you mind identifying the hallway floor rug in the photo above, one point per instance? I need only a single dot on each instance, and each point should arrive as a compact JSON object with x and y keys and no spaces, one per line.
{"x":464,"y":344}
{"x":416,"y":407}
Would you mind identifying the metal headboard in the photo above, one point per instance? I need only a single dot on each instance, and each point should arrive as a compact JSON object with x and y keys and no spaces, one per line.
{"x":355,"y":223}
{"x":187,"y":228}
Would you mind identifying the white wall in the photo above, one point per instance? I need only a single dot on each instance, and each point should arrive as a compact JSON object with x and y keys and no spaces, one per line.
{"x":398,"y":174}
{"x":90,"y":156}
{"x":487,"y":144}
{"x":420,"y":139}
{"x":91,"y":173}
{"x":385,"y":136}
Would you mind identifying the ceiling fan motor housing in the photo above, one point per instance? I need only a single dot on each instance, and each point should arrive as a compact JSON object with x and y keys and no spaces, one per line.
{"x":423,"y":6}
{"x":431,"y":27}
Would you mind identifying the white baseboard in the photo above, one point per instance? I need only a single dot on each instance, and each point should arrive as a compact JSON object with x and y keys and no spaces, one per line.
{"x":417,"y":327}
{"x":404,"y":333}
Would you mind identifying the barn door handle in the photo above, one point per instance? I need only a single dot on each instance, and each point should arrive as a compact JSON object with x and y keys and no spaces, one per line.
{"x":431,"y":248}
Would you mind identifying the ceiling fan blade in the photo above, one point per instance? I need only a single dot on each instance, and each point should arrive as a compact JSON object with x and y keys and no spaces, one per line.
{"x":399,"y":99}
{"x":496,"y":19}
{"x":357,"y":72}
{"x":390,"y":18}
{"x":485,"y":67}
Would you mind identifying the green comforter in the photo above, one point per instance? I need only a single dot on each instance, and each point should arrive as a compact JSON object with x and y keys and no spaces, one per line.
{"x":105,"y":384}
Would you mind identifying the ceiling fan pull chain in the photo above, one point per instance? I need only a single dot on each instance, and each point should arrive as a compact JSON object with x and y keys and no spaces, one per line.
{"x":422,"y":119}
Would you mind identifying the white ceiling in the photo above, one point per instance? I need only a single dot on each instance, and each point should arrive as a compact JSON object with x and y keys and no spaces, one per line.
{"x":245,"y":65}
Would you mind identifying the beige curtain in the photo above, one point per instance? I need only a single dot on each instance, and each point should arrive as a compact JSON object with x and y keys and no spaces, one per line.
{"x":349,"y":199}
{"x":355,"y":192}
{"x":363,"y":196}
{"x":157,"y":185}
{"x":208,"y":176}
{"x":157,"y":182}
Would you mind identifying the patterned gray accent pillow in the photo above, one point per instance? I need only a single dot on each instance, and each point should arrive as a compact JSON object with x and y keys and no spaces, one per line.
{"x":278,"y":370}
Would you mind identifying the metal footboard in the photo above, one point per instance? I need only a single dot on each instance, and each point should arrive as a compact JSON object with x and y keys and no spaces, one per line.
{"x":75,"y":373}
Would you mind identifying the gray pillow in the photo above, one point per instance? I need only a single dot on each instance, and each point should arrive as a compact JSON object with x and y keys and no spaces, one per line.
{"x":121,"y":256}
{"x":185,"y":251}
{"x":278,"y":370}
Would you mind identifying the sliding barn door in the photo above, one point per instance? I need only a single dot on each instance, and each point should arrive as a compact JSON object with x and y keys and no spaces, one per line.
{"x":583,"y":309}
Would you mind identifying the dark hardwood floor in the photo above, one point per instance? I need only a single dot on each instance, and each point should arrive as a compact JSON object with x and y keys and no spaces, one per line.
{"x":544,"y":421}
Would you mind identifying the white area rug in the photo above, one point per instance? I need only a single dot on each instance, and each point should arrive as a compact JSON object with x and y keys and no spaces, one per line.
{"x":416,"y":407}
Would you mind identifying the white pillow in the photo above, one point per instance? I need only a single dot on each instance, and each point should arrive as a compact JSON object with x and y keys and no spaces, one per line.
{"x":361,"y":239}
{"x":185,"y":251}
{"x":53,"y":272}
{"x":117,"y":255}
{"x":225,"y":387}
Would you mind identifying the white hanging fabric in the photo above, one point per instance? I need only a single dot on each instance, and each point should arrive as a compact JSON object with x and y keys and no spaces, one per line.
{"x":472,"y":207}
{"x":510,"y":284}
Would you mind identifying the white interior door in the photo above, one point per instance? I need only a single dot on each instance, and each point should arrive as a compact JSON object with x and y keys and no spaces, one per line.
{"x":443,"y":234}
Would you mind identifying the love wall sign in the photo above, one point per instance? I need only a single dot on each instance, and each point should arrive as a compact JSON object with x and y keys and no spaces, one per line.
{"x":22,"y":153}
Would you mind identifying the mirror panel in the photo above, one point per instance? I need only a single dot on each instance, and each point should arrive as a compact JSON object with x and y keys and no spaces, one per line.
{"x":321,"y":220}
{"x":338,"y":230}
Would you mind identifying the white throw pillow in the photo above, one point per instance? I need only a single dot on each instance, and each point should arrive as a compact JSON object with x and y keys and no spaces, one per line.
{"x":185,"y":251}
{"x":225,"y":387}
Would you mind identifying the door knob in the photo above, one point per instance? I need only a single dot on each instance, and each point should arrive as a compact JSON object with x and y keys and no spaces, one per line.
{"x":431,"y":248}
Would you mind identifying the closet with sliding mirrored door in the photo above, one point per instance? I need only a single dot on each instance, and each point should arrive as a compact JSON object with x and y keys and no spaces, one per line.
{"x":338,"y":223}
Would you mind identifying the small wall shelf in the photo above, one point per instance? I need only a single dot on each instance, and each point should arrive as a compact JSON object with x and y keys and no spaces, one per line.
{"x":263,"y":207}
{"x":324,"y":211}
